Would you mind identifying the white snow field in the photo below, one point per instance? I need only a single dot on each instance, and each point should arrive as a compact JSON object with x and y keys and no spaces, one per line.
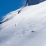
{"x":28,"y":28}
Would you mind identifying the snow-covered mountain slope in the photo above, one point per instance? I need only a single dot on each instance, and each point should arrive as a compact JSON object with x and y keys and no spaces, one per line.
{"x":11,"y":14}
{"x":28,"y":28}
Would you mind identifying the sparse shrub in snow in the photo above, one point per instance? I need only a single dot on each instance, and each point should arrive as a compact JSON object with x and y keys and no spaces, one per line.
{"x":32,"y":31}
{"x":15,"y":24}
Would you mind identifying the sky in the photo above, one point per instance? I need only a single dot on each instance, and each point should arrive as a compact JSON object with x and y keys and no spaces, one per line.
{"x":7,"y":6}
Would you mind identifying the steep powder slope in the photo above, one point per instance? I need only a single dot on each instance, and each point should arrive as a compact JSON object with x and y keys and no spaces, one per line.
{"x":25,"y":29}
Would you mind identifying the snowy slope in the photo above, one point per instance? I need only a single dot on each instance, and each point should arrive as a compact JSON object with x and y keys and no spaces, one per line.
{"x":11,"y":15}
{"x":28,"y":28}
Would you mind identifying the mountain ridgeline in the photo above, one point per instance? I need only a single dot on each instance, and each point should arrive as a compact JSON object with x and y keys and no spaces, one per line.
{"x":28,"y":2}
{"x":33,"y":2}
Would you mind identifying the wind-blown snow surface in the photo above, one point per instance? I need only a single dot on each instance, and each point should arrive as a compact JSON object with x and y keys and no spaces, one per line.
{"x":28,"y":28}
